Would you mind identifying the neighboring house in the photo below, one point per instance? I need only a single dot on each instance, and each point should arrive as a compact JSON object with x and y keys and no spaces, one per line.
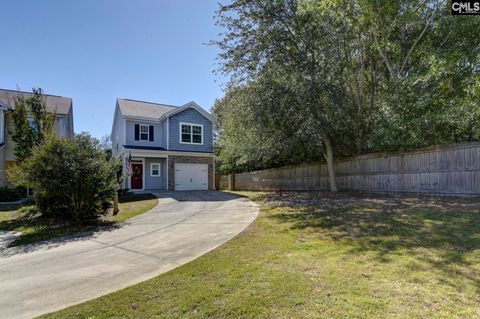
{"x":63,"y":125}
{"x":170,"y":147}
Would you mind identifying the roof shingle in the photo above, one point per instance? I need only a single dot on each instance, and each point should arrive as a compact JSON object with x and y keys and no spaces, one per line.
{"x":143,"y":109}
{"x":58,"y":104}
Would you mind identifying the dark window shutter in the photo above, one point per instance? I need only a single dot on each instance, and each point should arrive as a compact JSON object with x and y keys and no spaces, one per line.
{"x":150,"y":133}
{"x":137,"y":132}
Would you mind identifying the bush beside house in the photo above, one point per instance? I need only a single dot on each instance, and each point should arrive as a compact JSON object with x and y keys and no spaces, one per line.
{"x":9,"y":194}
{"x":72,"y":179}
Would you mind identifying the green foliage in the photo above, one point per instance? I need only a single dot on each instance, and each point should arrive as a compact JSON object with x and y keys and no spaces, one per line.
{"x":433,"y":97}
{"x":249,"y":137}
{"x":295,"y":104}
{"x":27,"y":134}
{"x":366,"y":75}
{"x":9,"y":194}
{"x":71,"y":178}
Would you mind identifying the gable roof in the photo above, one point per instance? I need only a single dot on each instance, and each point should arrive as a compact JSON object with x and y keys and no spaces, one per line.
{"x":141,"y":109}
{"x":59,"y":104}
{"x":189,"y":105}
{"x":151,"y":111}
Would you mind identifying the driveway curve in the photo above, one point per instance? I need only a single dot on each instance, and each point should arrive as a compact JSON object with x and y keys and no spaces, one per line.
{"x":48,"y":276}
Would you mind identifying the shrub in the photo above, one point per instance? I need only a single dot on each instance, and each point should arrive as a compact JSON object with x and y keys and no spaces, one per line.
{"x":28,"y":210}
{"x":123,"y":191}
{"x":71,"y":178}
{"x":9,"y":194}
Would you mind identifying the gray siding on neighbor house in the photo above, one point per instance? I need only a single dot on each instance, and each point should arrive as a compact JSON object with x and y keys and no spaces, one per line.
{"x":61,"y":123}
{"x":157,"y":133}
{"x":190,"y":116}
{"x":153,"y":182}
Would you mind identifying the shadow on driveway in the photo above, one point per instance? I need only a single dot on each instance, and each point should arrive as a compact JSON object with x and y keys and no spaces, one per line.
{"x":195,"y":196}
{"x":177,"y":196}
{"x":59,"y":241}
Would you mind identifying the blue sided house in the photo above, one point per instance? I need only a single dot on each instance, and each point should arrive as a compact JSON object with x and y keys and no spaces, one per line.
{"x":163,"y":146}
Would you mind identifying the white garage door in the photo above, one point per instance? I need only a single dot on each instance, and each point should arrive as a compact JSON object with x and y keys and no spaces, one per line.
{"x":191,"y":177}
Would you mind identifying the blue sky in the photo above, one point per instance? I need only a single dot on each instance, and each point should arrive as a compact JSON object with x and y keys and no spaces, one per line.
{"x":97,"y":50}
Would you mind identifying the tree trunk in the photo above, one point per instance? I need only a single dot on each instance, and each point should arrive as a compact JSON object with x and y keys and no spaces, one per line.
{"x":115,"y":202}
{"x":330,"y":165}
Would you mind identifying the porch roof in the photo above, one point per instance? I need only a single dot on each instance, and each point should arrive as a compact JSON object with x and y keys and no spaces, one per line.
{"x":138,"y":147}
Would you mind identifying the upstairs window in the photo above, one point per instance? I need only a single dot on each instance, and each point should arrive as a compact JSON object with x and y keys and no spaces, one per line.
{"x":144,"y":132}
{"x":191,"y":133}
{"x":32,"y":123}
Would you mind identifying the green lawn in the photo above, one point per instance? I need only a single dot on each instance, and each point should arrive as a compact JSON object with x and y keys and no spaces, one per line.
{"x":320,"y":256}
{"x":34,"y":228}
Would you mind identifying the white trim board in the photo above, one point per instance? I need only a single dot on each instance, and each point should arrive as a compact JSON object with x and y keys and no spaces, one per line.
{"x":164,"y":154}
{"x":168,"y":133}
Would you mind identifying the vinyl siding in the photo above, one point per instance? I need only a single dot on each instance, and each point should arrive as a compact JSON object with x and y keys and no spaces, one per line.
{"x":153,"y":182}
{"x":157,"y":141}
{"x":118,"y":135}
{"x":61,"y":120}
{"x":190,"y":116}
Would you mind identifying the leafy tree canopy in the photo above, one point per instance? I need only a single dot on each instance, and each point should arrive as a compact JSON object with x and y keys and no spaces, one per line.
{"x":345,"y":76}
{"x":32,"y":123}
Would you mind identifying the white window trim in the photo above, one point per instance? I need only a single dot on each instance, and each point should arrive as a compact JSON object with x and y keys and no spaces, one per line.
{"x":140,"y":132}
{"x":191,"y":133}
{"x":168,"y":134}
{"x":159,"y":170}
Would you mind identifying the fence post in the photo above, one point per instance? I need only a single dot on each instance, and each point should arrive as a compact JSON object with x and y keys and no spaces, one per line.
{"x":231,"y":182}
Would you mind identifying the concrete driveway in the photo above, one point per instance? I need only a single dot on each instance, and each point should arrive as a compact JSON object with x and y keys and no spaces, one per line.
{"x":41,"y":278}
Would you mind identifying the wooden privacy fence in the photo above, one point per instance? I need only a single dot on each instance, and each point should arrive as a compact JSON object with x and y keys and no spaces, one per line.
{"x":442,"y":170}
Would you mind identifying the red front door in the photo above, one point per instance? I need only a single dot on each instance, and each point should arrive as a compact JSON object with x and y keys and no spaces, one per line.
{"x":137,"y":176}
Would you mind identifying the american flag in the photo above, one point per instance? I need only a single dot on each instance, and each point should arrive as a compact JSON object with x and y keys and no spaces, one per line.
{"x":128,"y":165}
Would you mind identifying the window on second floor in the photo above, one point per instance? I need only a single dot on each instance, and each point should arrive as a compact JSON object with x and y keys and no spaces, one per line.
{"x":144,"y":132}
{"x":32,"y":123}
{"x":191,"y":133}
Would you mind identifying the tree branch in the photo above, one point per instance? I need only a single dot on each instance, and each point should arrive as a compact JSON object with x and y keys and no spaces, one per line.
{"x":415,"y":43}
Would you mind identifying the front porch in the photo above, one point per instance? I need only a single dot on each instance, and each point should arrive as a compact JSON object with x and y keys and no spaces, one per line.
{"x":147,"y":173}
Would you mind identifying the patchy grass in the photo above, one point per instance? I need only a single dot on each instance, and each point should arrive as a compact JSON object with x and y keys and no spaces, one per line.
{"x":9,"y":211}
{"x":131,"y":205}
{"x":313,"y":255}
{"x":34,"y":228}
